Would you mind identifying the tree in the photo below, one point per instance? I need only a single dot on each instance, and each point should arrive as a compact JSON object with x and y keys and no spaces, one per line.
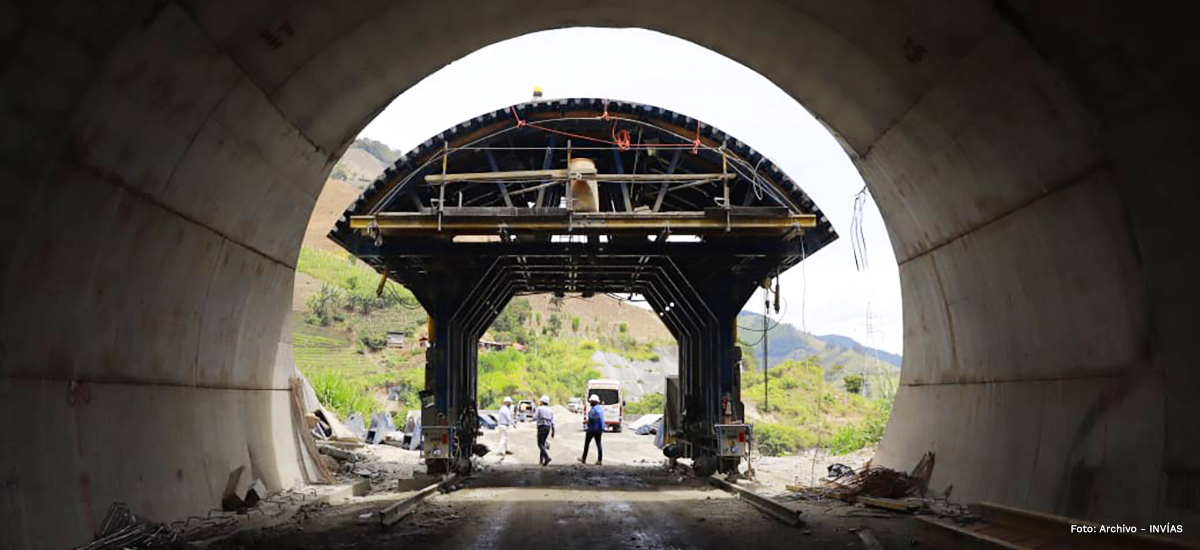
{"x":574,"y":324}
{"x":512,"y":319}
{"x":554,"y":324}
{"x":556,"y":303}
{"x":323,"y":305}
{"x":853,"y":382}
{"x":624,"y":328}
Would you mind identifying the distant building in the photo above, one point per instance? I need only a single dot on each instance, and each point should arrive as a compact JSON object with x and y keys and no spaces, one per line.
{"x":491,"y":345}
{"x":395,"y":340}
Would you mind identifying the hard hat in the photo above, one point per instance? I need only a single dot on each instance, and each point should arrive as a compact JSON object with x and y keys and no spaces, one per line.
{"x":508,"y":400}
{"x":546,"y":399}
{"x":594,"y":398}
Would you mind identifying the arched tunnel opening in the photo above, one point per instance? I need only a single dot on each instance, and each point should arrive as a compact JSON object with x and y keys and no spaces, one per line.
{"x":1030,"y":161}
{"x":585,"y":196}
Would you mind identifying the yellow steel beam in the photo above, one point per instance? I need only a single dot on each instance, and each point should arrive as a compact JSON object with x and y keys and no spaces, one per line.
{"x":560,"y":174}
{"x":582,"y":223}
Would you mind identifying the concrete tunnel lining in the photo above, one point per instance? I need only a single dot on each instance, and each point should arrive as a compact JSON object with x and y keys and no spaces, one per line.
{"x":160,"y":162}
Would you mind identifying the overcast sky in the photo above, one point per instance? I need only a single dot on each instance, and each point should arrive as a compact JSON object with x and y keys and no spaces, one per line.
{"x":826,"y":294}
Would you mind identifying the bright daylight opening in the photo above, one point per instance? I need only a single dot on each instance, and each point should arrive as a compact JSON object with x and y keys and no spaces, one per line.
{"x":833,"y":323}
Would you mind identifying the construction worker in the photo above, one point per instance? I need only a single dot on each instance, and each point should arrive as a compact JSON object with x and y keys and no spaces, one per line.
{"x":595,"y":429}
{"x":543,"y":416}
{"x":504,"y":422}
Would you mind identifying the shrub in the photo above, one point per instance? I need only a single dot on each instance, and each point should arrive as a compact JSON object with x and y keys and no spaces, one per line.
{"x":323,"y":305}
{"x":868,"y":432}
{"x":652,"y":403}
{"x":854,"y":383}
{"x":342,"y":396}
{"x":780,"y":439}
{"x":374,"y":341}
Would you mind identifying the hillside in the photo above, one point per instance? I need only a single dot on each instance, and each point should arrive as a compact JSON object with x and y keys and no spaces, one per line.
{"x":363,"y":161}
{"x":785,"y":341}
{"x":331,"y":204}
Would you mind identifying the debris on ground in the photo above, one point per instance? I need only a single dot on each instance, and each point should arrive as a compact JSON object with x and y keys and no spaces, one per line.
{"x":121,"y":529}
{"x":838,"y":470}
{"x":339,"y":453}
{"x":883,"y":488}
{"x":880,"y":482}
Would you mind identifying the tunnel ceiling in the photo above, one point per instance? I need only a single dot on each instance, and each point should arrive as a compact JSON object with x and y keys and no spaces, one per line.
{"x":662,"y":175}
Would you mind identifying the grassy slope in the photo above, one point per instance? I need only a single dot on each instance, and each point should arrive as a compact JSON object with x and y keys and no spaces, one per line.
{"x":348,"y":376}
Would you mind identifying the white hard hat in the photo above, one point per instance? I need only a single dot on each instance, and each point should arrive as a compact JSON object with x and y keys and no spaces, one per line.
{"x":594,"y":398}
{"x":508,"y":400}
{"x":546,"y":399}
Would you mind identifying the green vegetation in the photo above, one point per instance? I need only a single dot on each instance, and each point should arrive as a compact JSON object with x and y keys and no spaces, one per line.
{"x":342,"y":394}
{"x":852,"y":437}
{"x":802,"y":410}
{"x":560,"y":369}
{"x":652,"y":403}
{"x":775,"y":439}
{"x":341,"y":345}
{"x":553,"y":325}
{"x":853,"y":383}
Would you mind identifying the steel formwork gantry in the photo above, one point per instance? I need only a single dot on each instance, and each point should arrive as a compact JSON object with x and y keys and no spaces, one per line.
{"x":686,"y":216}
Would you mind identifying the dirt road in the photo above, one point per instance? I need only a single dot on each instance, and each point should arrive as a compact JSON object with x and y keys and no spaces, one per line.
{"x":625,"y":447}
{"x":631,"y":502}
{"x":580,"y":507}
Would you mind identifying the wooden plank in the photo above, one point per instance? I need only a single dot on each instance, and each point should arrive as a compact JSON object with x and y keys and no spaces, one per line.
{"x":947,"y":536}
{"x":889,"y":504}
{"x":770,"y":506}
{"x":397,"y":511}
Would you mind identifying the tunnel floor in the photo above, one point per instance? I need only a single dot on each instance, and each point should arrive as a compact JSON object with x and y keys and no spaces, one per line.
{"x":576,"y":507}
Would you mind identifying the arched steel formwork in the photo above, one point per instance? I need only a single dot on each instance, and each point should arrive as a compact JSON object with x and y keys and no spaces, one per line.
{"x":483,"y":212}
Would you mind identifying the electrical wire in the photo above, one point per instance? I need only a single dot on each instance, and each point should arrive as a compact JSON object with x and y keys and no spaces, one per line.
{"x":857,"y":241}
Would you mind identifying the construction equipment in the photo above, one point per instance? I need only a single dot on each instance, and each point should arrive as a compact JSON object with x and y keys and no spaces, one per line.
{"x":734,"y":440}
{"x":437,"y":442}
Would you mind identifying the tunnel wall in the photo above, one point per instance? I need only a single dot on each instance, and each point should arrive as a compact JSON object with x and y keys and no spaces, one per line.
{"x":154,"y":204}
{"x":160,"y":160}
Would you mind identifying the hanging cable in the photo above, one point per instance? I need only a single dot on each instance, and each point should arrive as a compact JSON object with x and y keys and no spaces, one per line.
{"x":857,"y":241}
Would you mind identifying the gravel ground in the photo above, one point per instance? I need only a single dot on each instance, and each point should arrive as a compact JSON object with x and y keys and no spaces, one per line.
{"x":633,"y":501}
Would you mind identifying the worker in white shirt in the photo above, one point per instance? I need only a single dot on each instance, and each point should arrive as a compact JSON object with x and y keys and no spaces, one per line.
{"x":543,"y":416}
{"x":505,"y":420}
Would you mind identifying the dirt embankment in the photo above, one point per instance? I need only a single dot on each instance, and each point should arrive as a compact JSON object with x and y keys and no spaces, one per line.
{"x":331,"y":204}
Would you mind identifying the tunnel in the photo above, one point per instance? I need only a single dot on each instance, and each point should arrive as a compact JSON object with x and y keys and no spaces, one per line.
{"x":1031,"y":162}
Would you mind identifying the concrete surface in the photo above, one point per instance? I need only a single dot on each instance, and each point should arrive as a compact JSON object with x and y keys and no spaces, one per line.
{"x":1033,"y":162}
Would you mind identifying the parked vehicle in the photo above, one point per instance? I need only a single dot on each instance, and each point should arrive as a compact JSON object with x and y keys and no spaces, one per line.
{"x":611,"y":401}
{"x":575,"y":405}
{"x":524,"y":410}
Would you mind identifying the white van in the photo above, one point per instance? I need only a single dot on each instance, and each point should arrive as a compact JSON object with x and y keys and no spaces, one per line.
{"x":611,"y":401}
